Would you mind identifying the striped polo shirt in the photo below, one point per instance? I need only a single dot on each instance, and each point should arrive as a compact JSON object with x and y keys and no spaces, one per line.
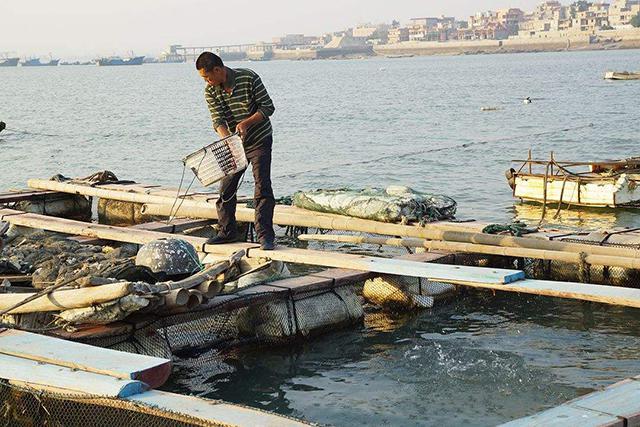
{"x":247,"y":96}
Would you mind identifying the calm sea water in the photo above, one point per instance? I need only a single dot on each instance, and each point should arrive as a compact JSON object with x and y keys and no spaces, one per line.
{"x":375,"y":122}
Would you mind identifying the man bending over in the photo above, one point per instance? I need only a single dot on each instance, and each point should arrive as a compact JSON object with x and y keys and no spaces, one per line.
{"x":239,"y":102}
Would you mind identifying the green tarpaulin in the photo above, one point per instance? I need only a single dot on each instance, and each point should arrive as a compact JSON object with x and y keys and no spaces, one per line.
{"x":394,"y":204}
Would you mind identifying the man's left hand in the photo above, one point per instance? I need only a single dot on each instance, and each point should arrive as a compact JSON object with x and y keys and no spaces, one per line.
{"x":242,"y":128}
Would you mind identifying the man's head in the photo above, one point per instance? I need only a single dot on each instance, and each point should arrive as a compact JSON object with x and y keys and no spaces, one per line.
{"x":211,"y":68}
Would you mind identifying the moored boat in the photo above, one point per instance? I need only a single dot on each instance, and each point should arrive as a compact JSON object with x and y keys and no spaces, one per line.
{"x":624,"y":75}
{"x":35,"y":62}
{"x":9,"y":62}
{"x":609,"y":183}
{"x":116,"y":60}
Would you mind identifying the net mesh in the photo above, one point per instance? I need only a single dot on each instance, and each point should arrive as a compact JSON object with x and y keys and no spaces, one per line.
{"x":27,"y":406}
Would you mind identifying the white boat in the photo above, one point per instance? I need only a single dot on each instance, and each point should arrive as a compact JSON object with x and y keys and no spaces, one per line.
{"x":609,"y":183}
{"x":624,"y":75}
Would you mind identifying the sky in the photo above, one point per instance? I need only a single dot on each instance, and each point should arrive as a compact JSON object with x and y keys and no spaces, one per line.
{"x":90,"y":28}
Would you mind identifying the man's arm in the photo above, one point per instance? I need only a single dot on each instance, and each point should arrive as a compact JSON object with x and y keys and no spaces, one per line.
{"x":264,"y":103}
{"x":262,"y":98}
{"x":217,"y":118}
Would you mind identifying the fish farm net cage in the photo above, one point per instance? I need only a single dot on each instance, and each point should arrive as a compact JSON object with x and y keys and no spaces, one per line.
{"x":264,"y":318}
{"x":27,"y":406}
{"x":269,"y":314}
{"x":272,"y":314}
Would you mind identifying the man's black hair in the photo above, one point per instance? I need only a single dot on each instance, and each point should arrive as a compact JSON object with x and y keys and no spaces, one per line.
{"x":208,"y":61}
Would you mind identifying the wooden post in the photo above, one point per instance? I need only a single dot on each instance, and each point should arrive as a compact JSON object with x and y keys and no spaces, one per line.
{"x":66,"y":299}
{"x":570,"y":257}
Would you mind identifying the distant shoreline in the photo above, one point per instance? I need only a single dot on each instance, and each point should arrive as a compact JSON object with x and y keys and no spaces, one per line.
{"x":559,"y":46}
{"x":603,"y":40}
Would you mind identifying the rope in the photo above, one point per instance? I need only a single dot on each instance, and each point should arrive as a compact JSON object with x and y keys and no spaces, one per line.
{"x":433,"y":150}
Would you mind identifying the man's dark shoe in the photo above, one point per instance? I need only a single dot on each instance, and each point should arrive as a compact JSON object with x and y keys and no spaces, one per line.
{"x":223,"y":238}
{"x":267,"y":245}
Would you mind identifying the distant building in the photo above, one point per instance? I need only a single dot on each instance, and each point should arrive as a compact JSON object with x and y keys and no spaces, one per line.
{"x":397,"y":35}
{"x":548,"y":16}
{"x":491,"y":25}
{"x":510,"y":19}
{"x":432,"y":29}
{"x":372,"y":34}
{"x":289,"y":40}
{"x":622,"y":11}
{"x":592,"y":18}
{"x":423,"y":22}
{"x":364,"y":32}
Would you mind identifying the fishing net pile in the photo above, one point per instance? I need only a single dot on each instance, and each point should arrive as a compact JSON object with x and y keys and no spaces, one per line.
{"x":396,"y":204}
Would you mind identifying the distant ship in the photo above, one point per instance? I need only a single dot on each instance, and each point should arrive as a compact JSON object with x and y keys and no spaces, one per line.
{"x":35,"y":62}
{"x":77,"y":63}
{"x":116,"y":60}
{"x":9,"y":62}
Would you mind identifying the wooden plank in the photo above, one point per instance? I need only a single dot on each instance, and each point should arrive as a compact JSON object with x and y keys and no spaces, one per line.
{"x":16,"y":369}
{"x":621,"y":399}
{"x":177,"y":226}
{"x":153,"y":371}
{"x":289,"y":215}
{"x":219,"y":413}
{"x":470,"y":276}
{"x":436,"y":272}
{"x":567,"y":416}
{"x":16,"y":278}
{"x":571,"y":257}
{"x":343,"y":276}
{"x":616,"y":295}
{"x":23,"y":195}
{"x":290,"y":285}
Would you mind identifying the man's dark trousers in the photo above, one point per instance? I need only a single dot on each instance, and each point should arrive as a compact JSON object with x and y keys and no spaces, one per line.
{"x":260,"y":160}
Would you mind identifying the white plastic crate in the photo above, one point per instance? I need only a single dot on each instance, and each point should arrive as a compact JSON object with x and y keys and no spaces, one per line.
{"x":215,"y":161}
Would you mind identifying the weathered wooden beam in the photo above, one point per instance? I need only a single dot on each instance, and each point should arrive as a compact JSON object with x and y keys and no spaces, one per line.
{"x":31,"y":373}
{"x":211,"y":412}
{"x":616,"y":405}
{"x":287,"y":215}
{"x":570,"y":257}
{"x":25,"y":195}
{"x":436,"y":272}
{"x":178,"y":225}
{"x":153,"y":371}
{"x":497,"y":279}
{"x":65,"y":299}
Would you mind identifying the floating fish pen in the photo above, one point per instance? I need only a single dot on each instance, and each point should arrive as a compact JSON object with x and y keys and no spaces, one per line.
{"x":120,"y":282}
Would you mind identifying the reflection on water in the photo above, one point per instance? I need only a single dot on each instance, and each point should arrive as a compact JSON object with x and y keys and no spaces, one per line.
{"x":504,"y":356}
{"x":576,"y":216}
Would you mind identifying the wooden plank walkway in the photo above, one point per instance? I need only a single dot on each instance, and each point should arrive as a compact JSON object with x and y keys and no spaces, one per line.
{"x":176,"y":226}
{"x":436,"y":272}
{"x":29,"y":372}
{"x":498,"y":279}
{"x":153,"y":371}
{"x":617,"y":405}
{"x":220,"y":413}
